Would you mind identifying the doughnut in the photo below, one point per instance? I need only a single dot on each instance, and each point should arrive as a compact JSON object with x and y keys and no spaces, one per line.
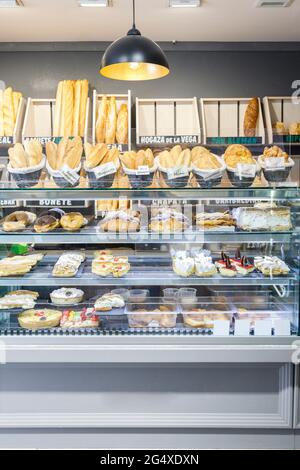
{"x":18,"y":220}
{"x":72,"y":221}
{"x":46,"y":223}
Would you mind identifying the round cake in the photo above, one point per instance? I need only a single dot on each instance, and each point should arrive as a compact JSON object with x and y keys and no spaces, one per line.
{"x":66,"y":296}
{"x":37,"y":319}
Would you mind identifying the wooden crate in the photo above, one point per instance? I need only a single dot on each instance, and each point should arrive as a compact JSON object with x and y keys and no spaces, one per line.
{"x":282,"y":109}
{"x":167,"y":121}
{"x":120,"y":99}
{"x":223,"y":122}
{"x":17,"y":135}
{"x":39,"y":120}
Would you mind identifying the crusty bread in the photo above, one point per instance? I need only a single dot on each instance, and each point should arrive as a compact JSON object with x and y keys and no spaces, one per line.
{"x":8,"y":112}
{"x":101,"y":120}
{"x":111,"y":122}
{"x":83,"y":105}
{"x":1,"y":115}
{"x":122,"y":125}
{"x":251,"y":117}
{"x":58,"y":110}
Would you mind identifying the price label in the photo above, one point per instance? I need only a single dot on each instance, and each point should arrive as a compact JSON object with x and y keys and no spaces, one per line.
{"x":143,"y":170}
{"x":281,"y":327}
{"x":10,"y":203}
{"x":263,"y":328}
{"x":221,"y":328}
{"x":179,"y":172}
{"x":6,"y":140}
{"x":169,"y":140}
{"x":246,"y":170}
{"x":105,"y":170}
{"x":242,"y":327}
{"x":70,"y":175}
{"x":275,"y":163}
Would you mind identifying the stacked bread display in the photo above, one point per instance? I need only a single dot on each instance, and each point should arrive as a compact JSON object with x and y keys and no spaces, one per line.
{"x":111,"y":124}
{"x":27,"y":156}
{"x":9,"y":106}
{"x":67,"y":152}
{"x":70,"y":108}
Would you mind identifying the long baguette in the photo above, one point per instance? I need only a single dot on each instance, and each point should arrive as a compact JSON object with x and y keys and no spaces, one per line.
{"x":77,"y":102}
{"x":1,"y":115}
{"x":101,"y":120}
{"x":58,"y":110}
{"x":111,"y":122}
{"x":16,"y":102}
{"x":8,"y":112}
{"x":122,"y":125}
{"x":83,"y":105}
{"x":68,"y":92}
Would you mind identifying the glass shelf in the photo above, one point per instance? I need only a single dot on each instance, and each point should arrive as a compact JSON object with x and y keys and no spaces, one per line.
{"x":274,"y":192}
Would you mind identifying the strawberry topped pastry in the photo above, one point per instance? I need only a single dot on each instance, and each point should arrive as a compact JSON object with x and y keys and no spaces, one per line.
{"x":243,"y":266}
{"x":227,"y":269}
{"x":222,"y":262}
{"x":85,"y":318}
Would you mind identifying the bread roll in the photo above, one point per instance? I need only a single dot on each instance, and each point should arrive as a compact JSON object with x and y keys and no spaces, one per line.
{"x":1,"y":115}
{"x":101,"y":120}
{"x":111,"y":122}
{"x":251,"y":117}
{"x":8,"y":112}
{"x":58,"y":110}
{"x":122,"y":125}
{"x":83,"y":105}
{"x":51,"y":153}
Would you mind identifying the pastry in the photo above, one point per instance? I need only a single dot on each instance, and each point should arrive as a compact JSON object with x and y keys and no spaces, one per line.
{"x":251,"y":118}
{"x":85,"y":318}
{"x":214,"y":220}
{"x":120,"y":222}
{"x":55,"y":212}
{"x":280,"y":128}
{"x":37,"y":319}
{"x":122,"y":125}
{"x":119,"y":260}
{"x":19,"y":299}
{"x":109,"y":301}
{"x":167,"y":220}
{"x":275,"y":152}
{"x":46,"y":223}
{"x":263,"y":217}
{"x":162,"y":317}
{"x":18,"y":220}
{"x":68,"y":264}
{"x":102,"y":253}
{"x":201,"y":318}
{"x":70,"y":108}
{"x":183,"y":266}
{"x":111,"y":121}
{"x":238,"y":154}
{"x":72,"y":221}
{"x":66,"y":296}
{"x":242,"y":265}
{"x":120,"y":270}
{"x":203,"y":159}
{"x":101,"y":269}
{"x":19,"y":265}
{"x":271,"y":266}
{"x":226,"y":268}
{"x":204,"y":266}
{"x":294,"y":128}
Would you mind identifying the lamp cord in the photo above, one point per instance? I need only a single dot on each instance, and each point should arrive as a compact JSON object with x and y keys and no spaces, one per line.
{"x":133,"y":13}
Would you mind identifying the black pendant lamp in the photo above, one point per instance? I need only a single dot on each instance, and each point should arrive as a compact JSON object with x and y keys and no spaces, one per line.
{"x":134,"y":57}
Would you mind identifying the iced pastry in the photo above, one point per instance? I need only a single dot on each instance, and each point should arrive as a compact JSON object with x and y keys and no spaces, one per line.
{"x":263,"y":217}
{"x":271,"y":266}
{"x":68,"y":264}
{"x":84,"y":318}
{"x":66,"y":296}
{"x":46,"y":223}
{"x":183,"y":266}
{"x":204,"y":266}
{"x":214,"y":220}
{"x":37,"y":319}
{"x":109,"y":301}
{"x":19,"y":299}
{"x":226,"y":268}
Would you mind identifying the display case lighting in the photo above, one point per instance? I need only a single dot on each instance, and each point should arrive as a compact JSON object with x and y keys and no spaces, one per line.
{"x":94,"y":3}
{"x":184,"y":3}
{"x":11,"y":3}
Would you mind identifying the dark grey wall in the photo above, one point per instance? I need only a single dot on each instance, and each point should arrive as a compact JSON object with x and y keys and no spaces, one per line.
{"x":215,"y":71}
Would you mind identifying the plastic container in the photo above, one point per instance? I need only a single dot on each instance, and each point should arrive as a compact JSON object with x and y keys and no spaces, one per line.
{"x":151,"y":314}
{"x":170,"y":294}
{"x":27,"y":177}
{"x":204,"y":315}
{"x":138,"y":295}
{"x":187,"y":296}
{"x":276,"y":175}
{"x":122,"y":292}
{"x":209,"y":178}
